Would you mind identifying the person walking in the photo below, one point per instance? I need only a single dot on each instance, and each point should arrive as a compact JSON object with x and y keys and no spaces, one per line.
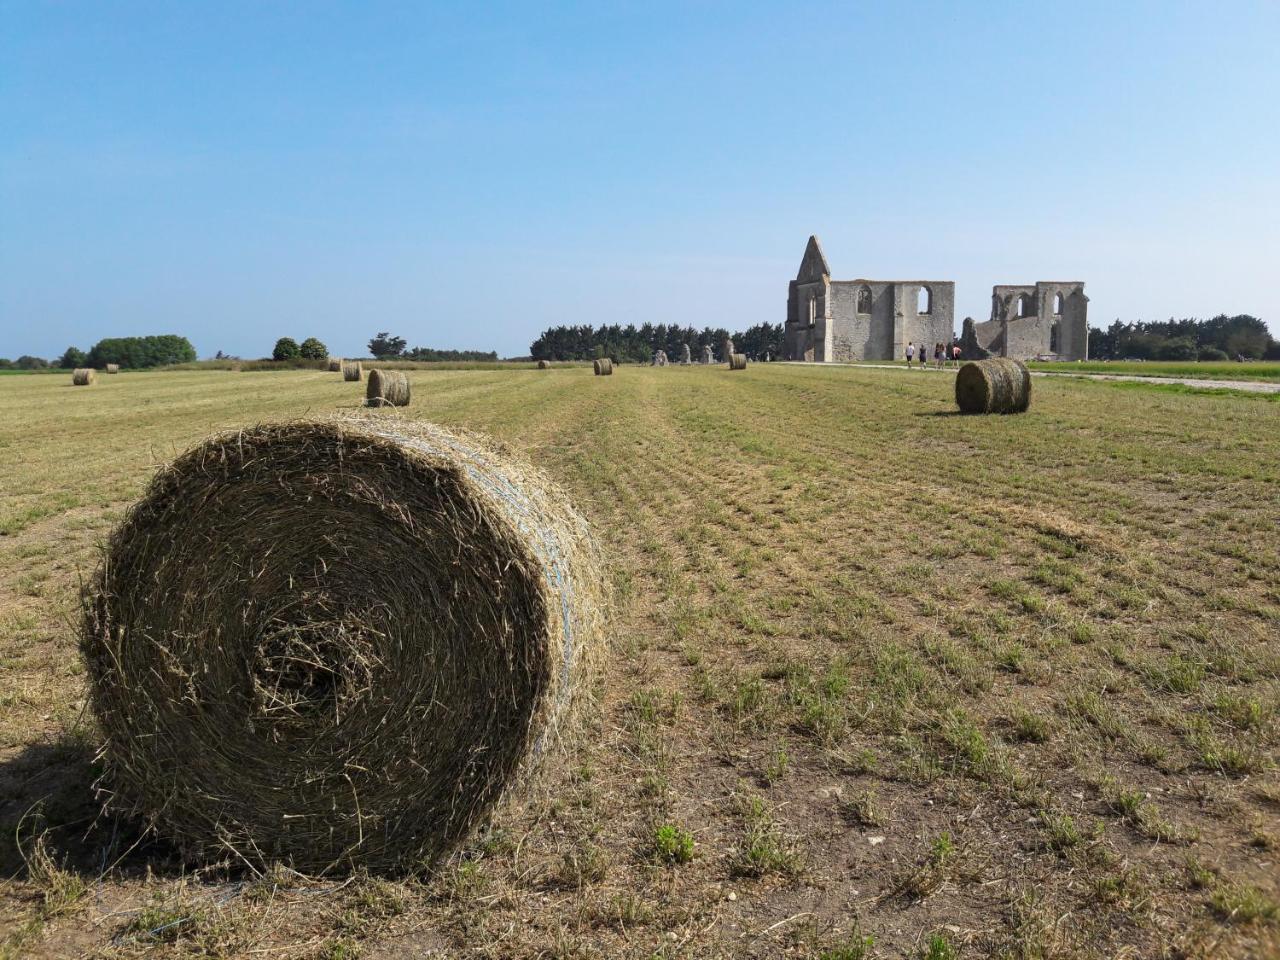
{"x":955,"y":353}
{"x":911,"y":352}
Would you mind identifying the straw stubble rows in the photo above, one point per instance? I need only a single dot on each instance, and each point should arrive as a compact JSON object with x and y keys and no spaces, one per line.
{"x":877,"y":670}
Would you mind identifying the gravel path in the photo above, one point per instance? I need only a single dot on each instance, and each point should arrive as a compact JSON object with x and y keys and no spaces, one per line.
{"x":1250,"y":386}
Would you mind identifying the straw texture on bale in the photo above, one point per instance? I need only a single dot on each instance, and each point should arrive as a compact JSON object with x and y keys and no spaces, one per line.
{"x":737,"y":361}
{"x":113,"y":368}
{"x":387,"y":388}
{"x":352,"y":371}
{"x":603,"y":367}
{"x":83,"y":376}
{"x":999,"y":385}
{"x":335,"y":364}
{"x":337,"y":642}
{"x":543,"y":365}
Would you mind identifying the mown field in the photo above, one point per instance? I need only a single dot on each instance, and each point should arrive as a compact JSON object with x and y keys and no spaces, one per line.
{"x":964,"y":687}
{"x":1194,"y":369}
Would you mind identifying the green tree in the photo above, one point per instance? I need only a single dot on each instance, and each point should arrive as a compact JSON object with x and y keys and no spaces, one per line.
{"x":26,"y":362}
{"x":74,"y":357}
{"x":286,"y":348}
{"x":140,"y":352}
{"x":385,"y":346}
{"x":312,"y":349}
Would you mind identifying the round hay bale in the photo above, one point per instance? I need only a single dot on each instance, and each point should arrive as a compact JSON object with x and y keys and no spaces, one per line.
{"x":737,"y":361}
{"x":335,"y":364}
{"x":998,"y":385}
{"x":387,"y":388}
{"x":113,"y":368}
{"x":543,"y":365}
{"x":603,"y":367}
{"x":352,"y":371}
{"x":337,"y":642}
{"x":83,"y":376}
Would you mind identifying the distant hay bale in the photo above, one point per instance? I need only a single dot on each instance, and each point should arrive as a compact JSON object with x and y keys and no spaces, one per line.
{"x":335,"y":364}
{"x":543,"y":365}
{"x":603,"y":367}
{"x":83,"y":376}
{"x":737,"y":361}
{"x":352,"y":371}
{"x":113,"y":368}
{"x":999,"y":385}
{"x":337,"y":642}
{"x":387,"y":388}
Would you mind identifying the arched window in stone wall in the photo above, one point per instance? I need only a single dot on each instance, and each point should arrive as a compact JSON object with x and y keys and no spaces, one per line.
{"x":864,"y":299}
{"x":813,"y":310}
{"x":1057,"y":304}
{"x":1025,"y":305}
{"x":1053,"y":337}
{"x":924,"y":300}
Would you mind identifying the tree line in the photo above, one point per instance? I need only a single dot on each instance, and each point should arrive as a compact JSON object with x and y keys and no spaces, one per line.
{"x":387,"y":347}
{"x":131,"y":352}
{"x":1221,"y":338}
{"x":638,"y":344}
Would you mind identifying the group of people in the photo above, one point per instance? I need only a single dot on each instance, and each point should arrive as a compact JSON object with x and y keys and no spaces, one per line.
{"x":942,"y":353}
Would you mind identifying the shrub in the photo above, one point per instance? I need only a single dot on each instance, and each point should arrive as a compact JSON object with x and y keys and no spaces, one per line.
{"x":311,"y":349}
{"x":286,"y":348}
{"x":31,"y":363}
{"x":140,"y":352}
{"x":74,"y":357}
{"x":1213,"y":353}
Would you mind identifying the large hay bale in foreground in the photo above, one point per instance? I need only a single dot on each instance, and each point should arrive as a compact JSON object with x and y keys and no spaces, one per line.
{"x":603,"y":367}
{"x":387,"y":388}
{"x":335,"y":364}
{"x":737,"y":361}
{"x":352,"y":372}
{"x":112,"y":368}
{"x":83,"y":376}
{"x":999,"y":385}
{"x":337,"y":642}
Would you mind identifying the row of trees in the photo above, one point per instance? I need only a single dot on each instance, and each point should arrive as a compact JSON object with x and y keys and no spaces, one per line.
{"x":132,"y":352}
{"x":638,"y":344}
{"x":387,"y":347}
{"x":1222,"y":338}
{"x":287,"y":348}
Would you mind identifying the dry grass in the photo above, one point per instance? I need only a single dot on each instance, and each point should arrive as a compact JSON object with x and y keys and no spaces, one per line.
{"x":387,"y":388}
{"x":850,"y":625}
{"x":330,"y":684}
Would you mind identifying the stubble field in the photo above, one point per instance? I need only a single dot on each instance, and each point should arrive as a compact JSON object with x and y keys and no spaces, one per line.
{"x":964,"y":686}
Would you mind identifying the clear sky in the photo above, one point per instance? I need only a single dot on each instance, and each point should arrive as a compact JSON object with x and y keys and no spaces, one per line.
{"x":467,"y":174}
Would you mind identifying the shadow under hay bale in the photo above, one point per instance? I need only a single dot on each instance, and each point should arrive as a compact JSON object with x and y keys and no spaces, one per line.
{"x":112,"y":368}
{"x":338,"y":642}
{"x":335,"y":364}
{"x":737,"y":361}
{"x":83,"y":376}
{"x":387,"y":388}
{"x":999,"y":385}
{"x":352,"y":372}
{"x":603,"y":367}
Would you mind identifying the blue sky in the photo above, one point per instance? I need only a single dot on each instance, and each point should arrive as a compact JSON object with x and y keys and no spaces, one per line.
{"x":466,"y":175}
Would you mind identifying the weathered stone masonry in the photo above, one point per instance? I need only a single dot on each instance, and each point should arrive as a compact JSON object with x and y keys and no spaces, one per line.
{"x":840,"y":320}
{"x":1031,"y":320}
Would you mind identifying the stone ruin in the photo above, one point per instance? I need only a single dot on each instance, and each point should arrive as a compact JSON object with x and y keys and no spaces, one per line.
{"x":727,"y":347}
{"x":840,"y":320}
{"x":685,"y":355}
{"x":706,"y":354}
{"x":1044,"y":319}
{"x":659,"y":358}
